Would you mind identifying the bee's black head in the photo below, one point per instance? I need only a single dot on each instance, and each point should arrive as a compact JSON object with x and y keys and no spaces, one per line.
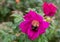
{"x":34,"y":28}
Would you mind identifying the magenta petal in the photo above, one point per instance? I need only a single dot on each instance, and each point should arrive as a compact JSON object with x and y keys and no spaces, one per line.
{"x":51,"y":14}
{"x":41,"y":30}
{"x":53,"y":8}
{"x":49,"y":9}
{"x":32,"y":35}
{"x":32,"y":16}
{"x":45,"y":24}
{"x":28,"y":17}
{"x":45,"y":8}
{"x":24,"y":26}
{"x":36,"y":35}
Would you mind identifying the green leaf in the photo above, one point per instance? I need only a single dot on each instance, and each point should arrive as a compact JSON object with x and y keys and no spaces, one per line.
{"x":57,"y":33}
{"x":43,"y":38}
{"x":4,"y":11}
{"x":18,"y":18}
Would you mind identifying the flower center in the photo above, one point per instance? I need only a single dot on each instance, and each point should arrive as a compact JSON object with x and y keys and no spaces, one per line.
{"x":35,"y":25}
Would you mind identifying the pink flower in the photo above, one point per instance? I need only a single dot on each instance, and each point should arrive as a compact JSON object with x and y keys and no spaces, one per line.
{"x":49,"y":9}
{"x":33,"y":25}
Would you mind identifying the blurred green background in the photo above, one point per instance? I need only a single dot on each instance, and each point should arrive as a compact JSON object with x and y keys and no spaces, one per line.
{"x":11,"y":13}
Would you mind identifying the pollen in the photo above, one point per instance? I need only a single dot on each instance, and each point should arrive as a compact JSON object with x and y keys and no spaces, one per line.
{"x":35,"y":23}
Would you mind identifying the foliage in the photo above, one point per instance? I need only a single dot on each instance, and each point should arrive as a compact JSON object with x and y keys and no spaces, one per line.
{"x":12,"y":33}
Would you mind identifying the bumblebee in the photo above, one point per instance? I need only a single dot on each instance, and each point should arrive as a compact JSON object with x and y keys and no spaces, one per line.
{"x":35,"y":25}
